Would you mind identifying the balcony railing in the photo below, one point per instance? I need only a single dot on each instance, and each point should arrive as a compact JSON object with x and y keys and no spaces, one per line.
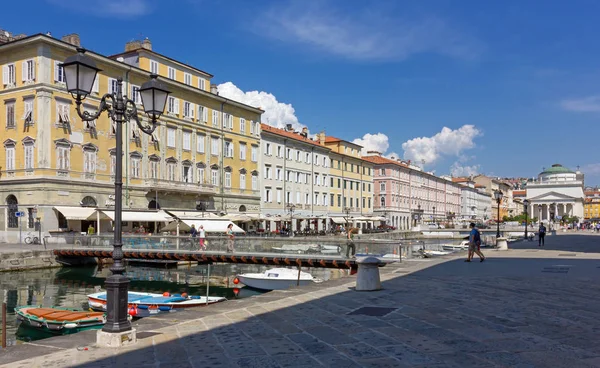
{"x":180,"y":185}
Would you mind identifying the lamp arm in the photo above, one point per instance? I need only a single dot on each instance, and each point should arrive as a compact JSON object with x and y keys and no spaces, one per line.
{"x":132,"y":113}
{"x":87,"y":116}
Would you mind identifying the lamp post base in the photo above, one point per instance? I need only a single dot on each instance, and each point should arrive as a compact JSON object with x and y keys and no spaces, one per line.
{"x":117,"y":320}
{"x":116,"y":339}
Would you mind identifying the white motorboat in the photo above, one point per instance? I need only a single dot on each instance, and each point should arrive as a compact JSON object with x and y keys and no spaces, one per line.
{"x":433,"y":253}
{"x":275,"y":279}
{"x":464,"y":245}
{"x":155,"y":302}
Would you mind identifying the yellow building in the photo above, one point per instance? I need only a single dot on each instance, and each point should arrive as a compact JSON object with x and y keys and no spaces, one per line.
{"x":205,"y":149}
{"x":351,"y":180}
{"x":591,"y":205}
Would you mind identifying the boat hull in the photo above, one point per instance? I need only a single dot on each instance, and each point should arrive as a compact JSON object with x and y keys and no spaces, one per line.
{"x":271,"y":284}
{"x":153,"y":305}
{"x":26,"y":318}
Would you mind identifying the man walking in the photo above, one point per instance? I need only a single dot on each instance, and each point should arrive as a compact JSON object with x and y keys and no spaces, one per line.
{"x":474,"y":244}
{"x":541,"y":235}
{"x":350,"y":243}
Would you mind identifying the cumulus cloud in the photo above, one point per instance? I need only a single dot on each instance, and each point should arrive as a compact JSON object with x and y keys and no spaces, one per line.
{"x":459,"y":170}
{"x":276,"y":114}
{"x":373,"y":142}
{"x":448,"y":142}
{"x":370,"y":33}
{"x":585,"y":104}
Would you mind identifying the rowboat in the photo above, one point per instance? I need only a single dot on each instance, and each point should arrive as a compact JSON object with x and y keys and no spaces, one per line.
{"x":275,"y":279}
{"x":59,"y":320}
{"x":154,"y":303}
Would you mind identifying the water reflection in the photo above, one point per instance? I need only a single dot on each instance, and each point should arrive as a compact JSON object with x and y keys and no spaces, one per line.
{"x":68,"y":287}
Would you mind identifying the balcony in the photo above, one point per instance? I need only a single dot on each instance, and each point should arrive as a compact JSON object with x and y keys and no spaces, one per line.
{"x":180,"y":186}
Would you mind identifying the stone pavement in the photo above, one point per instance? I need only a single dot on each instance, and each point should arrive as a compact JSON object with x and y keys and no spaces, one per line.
{"x":520,"y":308}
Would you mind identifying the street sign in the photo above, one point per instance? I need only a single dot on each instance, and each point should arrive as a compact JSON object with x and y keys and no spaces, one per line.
{"x":20,"y":214}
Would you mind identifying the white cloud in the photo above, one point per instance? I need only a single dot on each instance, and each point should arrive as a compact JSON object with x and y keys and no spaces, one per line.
{"x":276,"y":114}
{"x":458,"y":170}
{"x":591,"y":169}
{"x":106,"y":8}
{"x":373,"y":142}
{"x":370,"y":33}
{"x":585,"y":104}
{"x":447,"y":142}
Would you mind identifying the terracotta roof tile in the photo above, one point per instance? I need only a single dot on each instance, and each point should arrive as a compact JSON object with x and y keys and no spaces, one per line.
{"x":382,"y":160}
{"x":292,"y":135}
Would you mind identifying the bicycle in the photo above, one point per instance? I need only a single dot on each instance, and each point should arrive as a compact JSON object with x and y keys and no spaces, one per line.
{"x":31,"y":239}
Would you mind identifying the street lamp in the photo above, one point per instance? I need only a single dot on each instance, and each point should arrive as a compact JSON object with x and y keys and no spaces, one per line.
{"x":539,"y":213}
{"x":434,"y":214}
{"x":526,"y":205}
{"x":291,"y":207}
{"x":80,"y":72}
{"x":498,"y":196}
{"x":347,"y":211}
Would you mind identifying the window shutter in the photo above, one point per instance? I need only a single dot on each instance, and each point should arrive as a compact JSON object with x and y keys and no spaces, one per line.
{"x":32,"y":68}
{"x":192,"y":111}
{"x":24,"y":71}
{"x":224,"y":118}
{"x":176,"y":105}
{"x":56,"y":70}
{"x":95,"y":87}
{"x":205,"y":114}
{"x":5,"y":74}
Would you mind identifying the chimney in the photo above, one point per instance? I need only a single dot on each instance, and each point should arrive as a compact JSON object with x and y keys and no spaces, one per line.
{"x":374,"y":153}
{"x":73,"y":39}
{"x":322,"y":138}
{"x":304,"y":132}
{"x":146,"y":44}
{"x":214,"y":89}
{"x":133,"y":45}
{"x":289,"y":128}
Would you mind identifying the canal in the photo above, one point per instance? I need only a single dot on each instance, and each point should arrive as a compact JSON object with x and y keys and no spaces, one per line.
{"x":69,"y":287}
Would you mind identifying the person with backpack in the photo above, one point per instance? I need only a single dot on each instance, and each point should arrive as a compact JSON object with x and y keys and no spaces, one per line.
{"x":541,"y":235}
{"x":474,"y":244}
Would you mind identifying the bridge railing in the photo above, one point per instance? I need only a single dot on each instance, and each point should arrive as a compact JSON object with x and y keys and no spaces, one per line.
{"x":332,"y":246}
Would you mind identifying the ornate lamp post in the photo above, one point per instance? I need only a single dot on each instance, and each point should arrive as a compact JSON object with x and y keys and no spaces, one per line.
{"x":498,"y":196}
{"x":291,"y":207}
{"x":526,"y":207}
{"x":434,"y":214}
{"x":80,"y":71}
{"x":347,"y":212}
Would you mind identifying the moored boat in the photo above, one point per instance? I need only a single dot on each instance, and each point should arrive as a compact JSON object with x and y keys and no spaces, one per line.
{"x":155,"y":303}
{"x":275,"y":279}
{"x":464,"y":245}
{"x":59,"y":320}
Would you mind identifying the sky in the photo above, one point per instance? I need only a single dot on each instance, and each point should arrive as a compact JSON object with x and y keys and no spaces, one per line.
{"x":503,"y":88}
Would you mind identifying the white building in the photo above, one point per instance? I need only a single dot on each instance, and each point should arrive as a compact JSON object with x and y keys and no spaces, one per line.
{"x":557,"y":192}
{"x":295,"y":175}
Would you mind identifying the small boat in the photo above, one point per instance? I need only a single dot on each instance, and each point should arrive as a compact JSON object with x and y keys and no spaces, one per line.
{"x":464,"y":245}
{"x":275,"y":279}
{"x":154,"y":303}
{"x":433,"y":253}
{"x":59,"y":320}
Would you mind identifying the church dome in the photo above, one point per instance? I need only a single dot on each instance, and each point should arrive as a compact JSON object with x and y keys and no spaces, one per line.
{"x":557,"y":169}
{"x":557,"y":173}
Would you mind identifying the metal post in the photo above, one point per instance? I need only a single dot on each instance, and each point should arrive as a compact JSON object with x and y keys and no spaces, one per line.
{"x":117,"y":283}
{"x":207,"y":283}
{"x":3,"y":325}
{"x":526,"y":237}
{"x":299,"y":269}
{"x":498,"y":221}
{"x":20,"y":234}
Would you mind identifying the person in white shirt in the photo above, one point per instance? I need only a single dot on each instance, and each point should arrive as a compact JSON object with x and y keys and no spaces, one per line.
{"x":202,"y":236}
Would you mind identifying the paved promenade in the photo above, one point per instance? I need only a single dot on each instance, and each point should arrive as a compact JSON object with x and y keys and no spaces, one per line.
{"x":526,"y":307}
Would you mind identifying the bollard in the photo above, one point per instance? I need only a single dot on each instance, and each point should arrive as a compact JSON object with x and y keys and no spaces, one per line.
{"x":367,"y":278}
{"x":3,"y":325}
{"x":501,"y":244}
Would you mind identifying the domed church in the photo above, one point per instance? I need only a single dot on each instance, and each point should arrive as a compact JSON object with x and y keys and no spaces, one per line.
{"x":557,"y":192}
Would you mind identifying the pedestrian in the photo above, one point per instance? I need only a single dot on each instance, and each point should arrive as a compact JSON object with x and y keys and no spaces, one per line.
{"x":231,"y":238}
{"x":474,"y":244}
{"x":202,"y":236}
{"x":541,"y":235}
{"x":91,"y":230}
{"x":350,"y":243}
{"x":193,"y":231}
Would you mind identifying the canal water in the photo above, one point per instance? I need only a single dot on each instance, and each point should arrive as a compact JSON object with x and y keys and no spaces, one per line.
{"x":68,"y":287}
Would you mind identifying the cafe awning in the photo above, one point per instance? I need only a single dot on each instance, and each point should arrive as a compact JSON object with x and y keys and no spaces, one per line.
{"x":140,"y":216}
{"x":210,"y":226}
{"x":340,"y":220}
{"x":77,"y":213}
{"x":196,"y":214}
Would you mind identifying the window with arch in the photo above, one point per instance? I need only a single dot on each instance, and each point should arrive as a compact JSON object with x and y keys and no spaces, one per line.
{"x":200,"y":169}
{"x":255,"y":180}
{"x":187,"y":174}
{"x":28,"y":145}
{"x":89,"y":158}
{"x":9,"y":146}
{"x":136,"y":163}
{"x":88,"y":201}
{"x":153,"y":167}
{"x":13,"y":208}
{"x":63,"y":154}
{"x":171,"y":168}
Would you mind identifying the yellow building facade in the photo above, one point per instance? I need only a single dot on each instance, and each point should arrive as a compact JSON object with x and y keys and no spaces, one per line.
{"x":591,"y":205}
{"x":204,"y":151}
{"x":351,"y":179}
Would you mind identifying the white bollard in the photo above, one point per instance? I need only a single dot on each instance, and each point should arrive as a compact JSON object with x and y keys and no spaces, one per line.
{"x":367,"y":278}
{"x":501,"y":244}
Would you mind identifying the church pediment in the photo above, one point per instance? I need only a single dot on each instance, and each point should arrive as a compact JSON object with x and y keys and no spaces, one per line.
{"x":552,"y":196}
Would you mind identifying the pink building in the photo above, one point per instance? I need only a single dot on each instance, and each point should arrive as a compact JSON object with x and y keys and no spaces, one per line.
{"x":407,"y":196}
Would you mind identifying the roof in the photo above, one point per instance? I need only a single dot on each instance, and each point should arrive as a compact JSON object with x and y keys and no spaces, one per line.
{"x":519,"y":193}
{"x":291,"y":135}
{"x":557,"y":169}
{"x":330,"y":139}
{"x":135,"y":51}
{"x":382,"y":160}
{"x":479,"y":186}
{"x":461,"y":180}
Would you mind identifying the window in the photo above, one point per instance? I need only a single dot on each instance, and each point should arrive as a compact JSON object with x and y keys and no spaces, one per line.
{"x":153,"y":67}
{"x":382,"y":172}
{"x":154,"y":168}
{"x":215,"y":118}
{"x":307,"y":199}
{"x":187,"y":173}
{"x":297,"y":155}
{"x":63,"y":157}
{"x":324,"y":203}
{"x":382,"y":201}
{"x":30,"y":219}
{"x":59,"y":73}
{"x":316,"y":202}
{"x":172,"y":73}
{"x":242,"y":125}
{"x":227,"y":180}
{"x":382,"y":186}
{"x":332,"y":199}
{"x":288,"y":154}
{"x":242,"y":151}
{"x":89,"y":159}
{"x":62,"y":113}
{"x":189,"y":110}
{"x":214,"y":177}
{"x":254,"y":153}
{"x":112,"y":85}
{"x":10,"y":155}
{"x":227,"y":121}
{"x":202,"y":84}
{"x":28,"y":148}
{"x":202,"y":114}
{"x":268,"y":195}
{"x":13,"y":207}
{"x":268,"y":173}
{"x":200,"y":140}
{"x":317,"y":160}
{"x":136,"y":160}
{"x":187,"y":79}
{"x":251,"y":128}
{"x":135,"y":95}
{"x":254,"y":182}
{"x":228,"y":149}
{"x":339,"y":200}
{"x":28,"y":112}
{"x":28,"y":71}
{"x":170,"y":137}
{"x":214,"y":146}
{"x":200,"y":170}
{"x":171,"y":166}
{"x":10,"y":115}
{"x":8,"y":75}
{"x":278,"y":195}
{"x":187,"y":141}
{"x":173,"y":105}
{"x":242,"y":181}
{"x":288,"y":197}
{"x":307,"y":157}
{"x":279,"y":151}
{"x":113,"y":162}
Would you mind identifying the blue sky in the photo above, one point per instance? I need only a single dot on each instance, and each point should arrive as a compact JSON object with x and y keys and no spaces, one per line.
{"x":502,"y":88}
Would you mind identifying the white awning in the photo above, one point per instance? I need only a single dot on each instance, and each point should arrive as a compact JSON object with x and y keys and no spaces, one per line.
{"x":196,"y":215}
{"x":210,"y":226}
{"x":340,"y":220}
{"x":77,"y":213}
{"x":140,"y":216}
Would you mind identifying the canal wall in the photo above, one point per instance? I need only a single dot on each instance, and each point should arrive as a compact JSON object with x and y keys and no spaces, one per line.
{"x":27,"y":260}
